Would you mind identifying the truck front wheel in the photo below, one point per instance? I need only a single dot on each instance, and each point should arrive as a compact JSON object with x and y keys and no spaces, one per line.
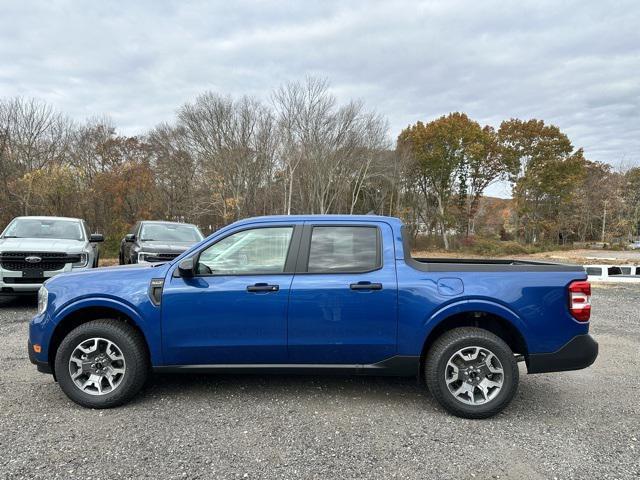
{"x":102,"y":363}
{"x":471,"y":372}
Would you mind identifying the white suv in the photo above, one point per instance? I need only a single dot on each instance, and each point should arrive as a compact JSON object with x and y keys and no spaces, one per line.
{"x":33,"y":249}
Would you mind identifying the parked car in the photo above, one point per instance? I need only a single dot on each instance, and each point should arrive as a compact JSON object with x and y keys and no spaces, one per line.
{"x":154,"y":241}
{"x":33,"y":249}
{"x":634,"y":245}
{"x":321,"y":294}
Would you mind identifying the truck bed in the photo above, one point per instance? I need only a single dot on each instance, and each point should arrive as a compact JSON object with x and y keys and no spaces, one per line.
{"x":488,"y":265}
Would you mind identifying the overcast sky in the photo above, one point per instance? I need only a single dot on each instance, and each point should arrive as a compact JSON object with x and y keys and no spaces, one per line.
{"x":574,"y":64}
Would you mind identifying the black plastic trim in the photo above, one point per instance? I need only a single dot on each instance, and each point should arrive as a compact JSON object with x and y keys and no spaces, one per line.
{"x":397,"y":366}
{"x":155,"y":290}
{"x":44,"y":368}
{"x":365,"y":286}
{"x":578,"y":353}
{"x":263,"y":287}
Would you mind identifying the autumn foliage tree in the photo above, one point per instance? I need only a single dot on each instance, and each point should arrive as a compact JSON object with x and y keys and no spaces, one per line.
{"x":452,"y":161}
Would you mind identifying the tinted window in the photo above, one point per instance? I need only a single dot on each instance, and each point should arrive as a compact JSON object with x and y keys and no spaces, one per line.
{"x":169,"y":232}
{"x":343,"y":249}
{"x":257,"y":251}
{"x":594,"y":271}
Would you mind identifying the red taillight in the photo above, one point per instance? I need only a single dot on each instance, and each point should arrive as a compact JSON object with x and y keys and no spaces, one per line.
{"x":580,"y":300}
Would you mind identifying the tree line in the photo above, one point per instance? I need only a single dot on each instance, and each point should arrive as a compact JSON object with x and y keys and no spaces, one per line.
{"x":301,"y":151}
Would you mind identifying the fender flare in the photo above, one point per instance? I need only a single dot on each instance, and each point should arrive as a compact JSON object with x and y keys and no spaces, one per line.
{"x":90,"y":302}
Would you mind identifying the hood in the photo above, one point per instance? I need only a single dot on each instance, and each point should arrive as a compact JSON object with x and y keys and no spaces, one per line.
{"x":165,"y":247}
{"x":41,"y":245}
{"x":124,"y":285}
{"x":109,"y":274}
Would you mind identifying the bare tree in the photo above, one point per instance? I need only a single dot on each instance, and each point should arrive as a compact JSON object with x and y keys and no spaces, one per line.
{"x":34,"y":136}
{"x":232,"y":141}
{"x":177,"y":173}
{"x":331,"y":146}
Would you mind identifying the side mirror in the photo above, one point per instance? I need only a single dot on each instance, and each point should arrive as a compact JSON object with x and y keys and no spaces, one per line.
{"x":96,"y":238}
{"x":130,"y":237}
{"x":187,"y":268}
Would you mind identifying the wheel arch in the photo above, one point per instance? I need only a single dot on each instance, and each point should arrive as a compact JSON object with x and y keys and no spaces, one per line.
{"x":72,"y":317}
{"x":489,"y":316}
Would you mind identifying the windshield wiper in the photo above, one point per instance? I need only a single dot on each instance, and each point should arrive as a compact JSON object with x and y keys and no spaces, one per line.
{"x":11,"y":236}
{"x":147,"y":240}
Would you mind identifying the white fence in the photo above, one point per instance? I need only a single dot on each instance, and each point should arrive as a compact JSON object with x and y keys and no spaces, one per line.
{"x":613,"y":273}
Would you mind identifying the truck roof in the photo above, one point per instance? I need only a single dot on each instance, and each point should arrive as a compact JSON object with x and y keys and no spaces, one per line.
{"x":167,"y":221}
{"x":337,"y":218}
{"x":47,"y":217}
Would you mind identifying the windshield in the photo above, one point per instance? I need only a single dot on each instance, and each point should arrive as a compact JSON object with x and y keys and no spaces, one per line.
{"x":44,"y":228}
{"x":169,"y":232}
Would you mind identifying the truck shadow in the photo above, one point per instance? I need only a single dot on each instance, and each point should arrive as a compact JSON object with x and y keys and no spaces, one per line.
{"x":393,"y":393}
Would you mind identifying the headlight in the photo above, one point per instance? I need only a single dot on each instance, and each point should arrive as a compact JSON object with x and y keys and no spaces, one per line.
{"x":142,"y":256}
{"x":84,"y":258}
{"x":43,"y":299}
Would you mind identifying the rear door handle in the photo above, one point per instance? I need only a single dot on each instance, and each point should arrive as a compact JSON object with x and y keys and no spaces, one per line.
{"x":263,"y":287}
{"x":365,"y":286}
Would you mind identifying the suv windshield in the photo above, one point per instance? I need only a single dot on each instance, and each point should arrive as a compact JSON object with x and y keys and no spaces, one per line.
{"x":169,"y":232}
{"x":44,"y":228}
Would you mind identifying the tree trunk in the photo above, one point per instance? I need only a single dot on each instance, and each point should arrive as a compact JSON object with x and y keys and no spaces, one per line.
{"x":443,"y":227}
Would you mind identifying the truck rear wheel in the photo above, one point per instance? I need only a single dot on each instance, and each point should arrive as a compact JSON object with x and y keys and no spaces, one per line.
{"x":102,"y":363}
{"x":471,"y":372}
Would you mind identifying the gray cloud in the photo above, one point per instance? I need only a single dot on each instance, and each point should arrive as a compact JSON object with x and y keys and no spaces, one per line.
{"x":575,"y":64}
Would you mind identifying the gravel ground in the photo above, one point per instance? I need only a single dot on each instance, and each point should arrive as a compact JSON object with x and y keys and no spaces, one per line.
{"x":583,"y":424}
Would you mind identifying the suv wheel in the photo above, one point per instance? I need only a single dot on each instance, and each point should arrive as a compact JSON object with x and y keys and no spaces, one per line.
{"x":471,"y":372}
{"x":102,"y":363}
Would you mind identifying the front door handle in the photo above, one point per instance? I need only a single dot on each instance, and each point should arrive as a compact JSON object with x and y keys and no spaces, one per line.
{"x":263,"y":287}
{"x":365,"y":286}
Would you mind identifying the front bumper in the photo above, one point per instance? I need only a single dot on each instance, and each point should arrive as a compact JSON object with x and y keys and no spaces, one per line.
{"x":43,"y":367}
{"x":579,"y":352}
{"x":13,"y":282}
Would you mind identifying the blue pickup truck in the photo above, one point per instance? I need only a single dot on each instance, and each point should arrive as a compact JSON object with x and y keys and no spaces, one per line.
{"x":321,"y":294}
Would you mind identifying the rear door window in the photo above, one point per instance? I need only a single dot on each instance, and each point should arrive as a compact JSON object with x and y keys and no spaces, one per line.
{"x":344,"y":249}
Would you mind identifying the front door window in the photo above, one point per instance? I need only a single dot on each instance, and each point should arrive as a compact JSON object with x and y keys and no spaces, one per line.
{"x":259,"y":251}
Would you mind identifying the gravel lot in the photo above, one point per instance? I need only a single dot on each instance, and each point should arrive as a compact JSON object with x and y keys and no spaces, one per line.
{"x":583,"y":424}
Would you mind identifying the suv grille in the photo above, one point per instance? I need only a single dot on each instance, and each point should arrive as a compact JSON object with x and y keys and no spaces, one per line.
{"x":15,"y":261}
{"x":160,"y":257}
{"x":23,"y":281}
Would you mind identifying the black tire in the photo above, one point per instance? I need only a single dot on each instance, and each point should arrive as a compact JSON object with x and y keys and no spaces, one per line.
{"x":445,"y":347}
{"x":132,"y":345}
{"x":96,"y":262}
{"x":120,"y":258}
